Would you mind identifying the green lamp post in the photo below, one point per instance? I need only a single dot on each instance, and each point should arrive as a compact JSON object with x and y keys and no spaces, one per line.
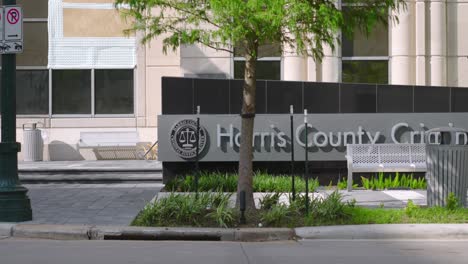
{"x":15,"y":205}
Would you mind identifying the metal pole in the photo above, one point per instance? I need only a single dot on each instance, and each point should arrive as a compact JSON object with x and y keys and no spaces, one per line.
{"x":14,"y":203}
{"x":197,"y":158}
{"x":306,"y":162}
{"x":293,"y":187}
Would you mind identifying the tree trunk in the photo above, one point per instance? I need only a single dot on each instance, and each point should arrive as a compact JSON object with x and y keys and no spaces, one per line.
{"x":245,"y":182}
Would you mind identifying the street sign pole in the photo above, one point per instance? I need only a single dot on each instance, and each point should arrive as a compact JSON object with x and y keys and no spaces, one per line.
{"x":15,"y":205}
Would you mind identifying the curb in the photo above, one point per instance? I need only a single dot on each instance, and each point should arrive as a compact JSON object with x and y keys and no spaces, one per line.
{"x":88,"y":232}
{"x":6,"y":229}
{"x":56,"y":232}
{"x":385,"y":231}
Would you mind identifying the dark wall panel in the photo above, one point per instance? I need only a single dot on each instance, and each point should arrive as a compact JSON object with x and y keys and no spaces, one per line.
{"x":215,"y":96}
{"x":322,"y":97}
{"x":211,"y":95}
{"x":431,"y":99}
{"x":280,"y":95}
{"x":177,"y":96}
{"x":358,"y":98}
{"x":394,"y":99}
{"x":235,"y":95}
{"x":459,"y":100}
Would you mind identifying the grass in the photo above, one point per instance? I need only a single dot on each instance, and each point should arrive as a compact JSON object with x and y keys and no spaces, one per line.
{"x":213,"y":210}
{"x":227,"y":182}
{"x":398,"y":181}
{"x":263,"y":182}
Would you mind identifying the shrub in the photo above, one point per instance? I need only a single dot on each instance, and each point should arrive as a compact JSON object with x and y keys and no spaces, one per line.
{"x":222,"y":215}
{"x":187,"y":210}
{"x":278,"y":215}
{"x":452,"y":202}
{"x":269,"y":201}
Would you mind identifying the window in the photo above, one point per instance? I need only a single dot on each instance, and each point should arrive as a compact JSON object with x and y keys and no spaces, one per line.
{"x":365,"y":57}
{"x":365,"y":71}
{"x":266,"y":70}
{"x":268,"y":64}
{"x":71,"y":92}
{"x":32,"y":92}
{"x":114,"y":91}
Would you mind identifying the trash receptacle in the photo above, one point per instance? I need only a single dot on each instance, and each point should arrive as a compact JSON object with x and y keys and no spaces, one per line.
{"x":32,"y":143}
{"x":447,"y":165}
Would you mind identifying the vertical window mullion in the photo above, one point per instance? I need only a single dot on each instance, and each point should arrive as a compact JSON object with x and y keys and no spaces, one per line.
{"x":93,"y":97}
{"x":135,"y":96}
{"x":50,"y":93}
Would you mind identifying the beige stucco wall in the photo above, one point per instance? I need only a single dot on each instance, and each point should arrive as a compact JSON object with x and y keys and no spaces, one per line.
{"x":98,"y":23}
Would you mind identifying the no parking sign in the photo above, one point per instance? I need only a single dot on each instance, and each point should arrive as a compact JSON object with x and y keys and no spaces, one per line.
{"x":11,"y":29}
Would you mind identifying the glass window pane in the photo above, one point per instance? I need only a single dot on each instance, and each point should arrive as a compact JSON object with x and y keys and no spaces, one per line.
{"x":35,"y":45}
{"x":114,"y":91}
{"x":365,"y":72}
{"x":362,"y":44}
{"x":266,"y":70}
{"x":267,"y":50}
{"x":34,"y":8}
{"x":32,"y":92}
{"x":71,"y":92}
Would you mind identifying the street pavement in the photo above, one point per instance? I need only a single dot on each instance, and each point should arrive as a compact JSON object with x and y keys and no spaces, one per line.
{"x":94,"y":204}
{"x":13,"y":251}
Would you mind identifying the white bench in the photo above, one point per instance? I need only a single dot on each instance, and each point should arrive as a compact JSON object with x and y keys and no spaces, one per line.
{"x":111,"y":145}
{"x":385,"y":158}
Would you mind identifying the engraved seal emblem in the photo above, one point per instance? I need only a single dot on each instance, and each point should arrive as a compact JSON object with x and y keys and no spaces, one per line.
{"x":184,"y":138}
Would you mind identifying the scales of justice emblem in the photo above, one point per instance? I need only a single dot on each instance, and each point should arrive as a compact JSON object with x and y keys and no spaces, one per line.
{"x":184,"y":138}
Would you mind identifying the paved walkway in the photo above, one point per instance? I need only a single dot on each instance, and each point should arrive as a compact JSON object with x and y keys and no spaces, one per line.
{"x":96,"y":204}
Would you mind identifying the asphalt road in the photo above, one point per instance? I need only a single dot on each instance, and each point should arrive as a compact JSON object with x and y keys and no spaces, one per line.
{"x":14,"y":251}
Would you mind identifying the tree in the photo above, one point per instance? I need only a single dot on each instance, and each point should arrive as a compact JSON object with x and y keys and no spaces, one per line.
{"x":305,"y":26}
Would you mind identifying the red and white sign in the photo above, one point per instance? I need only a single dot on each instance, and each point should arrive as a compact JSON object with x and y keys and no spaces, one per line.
{"x":13,"y":17}
{"x":11,"y":29}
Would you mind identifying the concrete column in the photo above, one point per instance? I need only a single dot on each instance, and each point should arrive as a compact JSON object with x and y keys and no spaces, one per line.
{"x":438,"y":42}
{"x":331,"y":65}
{"x":420,"y":20}
{"x":313,"y":70}
{"x":294,"y":65}
{"x":402,"y":56}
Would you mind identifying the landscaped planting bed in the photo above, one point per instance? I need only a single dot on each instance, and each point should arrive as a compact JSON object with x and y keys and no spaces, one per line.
{"x":213,"y":210}
{"x":212,"y":206}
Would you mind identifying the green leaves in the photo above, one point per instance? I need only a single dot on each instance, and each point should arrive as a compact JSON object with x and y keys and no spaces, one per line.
{"x":303,"y":25}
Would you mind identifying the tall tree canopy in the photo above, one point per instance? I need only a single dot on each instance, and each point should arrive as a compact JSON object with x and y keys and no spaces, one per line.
{"x":303,"y":26}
